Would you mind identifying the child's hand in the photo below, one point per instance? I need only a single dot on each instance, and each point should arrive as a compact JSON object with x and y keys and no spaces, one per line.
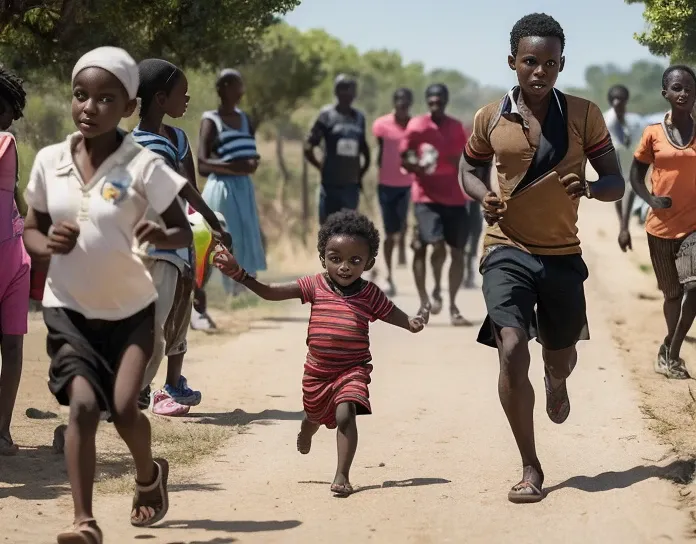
{"x":149,"y":232}
{"x":223,"y":237}
{"x":225,"y":262}
{"x":63,"y":237}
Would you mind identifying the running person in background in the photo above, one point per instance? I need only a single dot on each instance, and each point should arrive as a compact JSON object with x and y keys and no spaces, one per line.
{"x":87,"y":198}
{"x":342,"y":130}
{"x":625,"y":130}
{"x":163,"y":91}
{"x":227,"y":154}
{"x":670,"y":147}
{"x":440,"y":205}
{"x":394,"y":189}
{"x":533,"y":272}
{"x":15,"y":273}
{"x":338,"y":365}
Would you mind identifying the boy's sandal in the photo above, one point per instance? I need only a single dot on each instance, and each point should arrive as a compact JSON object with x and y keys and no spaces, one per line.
{"x":83,"y":532}
{"x":342,"y":490}
{"x":151,"y":502}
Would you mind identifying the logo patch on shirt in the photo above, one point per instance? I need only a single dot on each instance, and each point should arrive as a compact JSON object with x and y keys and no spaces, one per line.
{"x":114,"y":191}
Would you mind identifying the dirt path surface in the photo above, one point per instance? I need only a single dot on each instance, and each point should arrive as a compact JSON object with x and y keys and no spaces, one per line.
{"x":435,"y":460}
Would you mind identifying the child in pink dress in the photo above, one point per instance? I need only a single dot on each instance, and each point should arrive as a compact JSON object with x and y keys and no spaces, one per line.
{"x":14,"y":272}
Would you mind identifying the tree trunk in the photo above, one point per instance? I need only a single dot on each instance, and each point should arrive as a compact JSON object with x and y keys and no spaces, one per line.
{"x":285,"y":176}
{"x":305,"y":201}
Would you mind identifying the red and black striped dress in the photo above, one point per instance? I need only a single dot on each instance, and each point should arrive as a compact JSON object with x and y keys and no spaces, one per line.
{"x":338,"y":368}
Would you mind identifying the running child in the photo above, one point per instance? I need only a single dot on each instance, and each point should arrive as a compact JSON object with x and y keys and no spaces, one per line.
{"x":163,"y":91}
{"x":337,"y":369}
{"x":14,"y":274}
{"x":87,"y":199}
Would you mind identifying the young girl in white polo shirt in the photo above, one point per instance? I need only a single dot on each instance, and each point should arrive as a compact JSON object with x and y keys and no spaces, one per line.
{"x":87,"y":201}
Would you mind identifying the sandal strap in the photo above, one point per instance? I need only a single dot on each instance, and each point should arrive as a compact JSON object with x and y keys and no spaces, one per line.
{"x":154,"y":485}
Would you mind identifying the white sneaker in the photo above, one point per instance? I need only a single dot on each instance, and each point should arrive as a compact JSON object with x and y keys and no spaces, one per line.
{"x":201,"y":322}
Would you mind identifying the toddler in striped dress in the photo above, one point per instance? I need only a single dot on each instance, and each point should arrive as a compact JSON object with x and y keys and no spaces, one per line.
{"x":337,"y":369}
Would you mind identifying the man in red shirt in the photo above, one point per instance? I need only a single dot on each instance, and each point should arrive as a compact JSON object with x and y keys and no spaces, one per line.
{"x":431,"y":149}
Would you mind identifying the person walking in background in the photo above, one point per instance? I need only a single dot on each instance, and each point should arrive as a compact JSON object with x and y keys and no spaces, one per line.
{"x":533,"y":272}
{"x":16,"y":265}
{"x":87,"y":200}
{"x":625,"y":129}
{"x":341,"y":128}
{"x":227,"y":155}
{"x":338,"y":365}
{"x":670,"y":147}
{"x":164,"y":91}
{"x":394,"y":189}
{"x":431,"y":149}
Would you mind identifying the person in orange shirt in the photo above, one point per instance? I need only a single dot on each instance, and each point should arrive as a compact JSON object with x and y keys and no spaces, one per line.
{"x":670,"y":147}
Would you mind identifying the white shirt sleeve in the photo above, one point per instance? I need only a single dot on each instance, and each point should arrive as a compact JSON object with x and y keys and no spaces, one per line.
{"x":35,"y":192}
{"x":162,"y":185}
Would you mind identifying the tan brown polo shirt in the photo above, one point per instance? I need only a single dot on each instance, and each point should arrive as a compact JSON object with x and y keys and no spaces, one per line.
{"x":540,"y":217}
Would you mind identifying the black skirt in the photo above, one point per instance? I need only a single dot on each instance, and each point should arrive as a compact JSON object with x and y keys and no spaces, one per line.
{"x":92,"y":348}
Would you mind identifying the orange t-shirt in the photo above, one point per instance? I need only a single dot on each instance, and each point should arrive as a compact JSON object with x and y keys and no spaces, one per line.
{"x":673,"y":175}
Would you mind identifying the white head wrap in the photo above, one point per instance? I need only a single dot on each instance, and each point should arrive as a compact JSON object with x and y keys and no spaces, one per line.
{"x":114,"y":60}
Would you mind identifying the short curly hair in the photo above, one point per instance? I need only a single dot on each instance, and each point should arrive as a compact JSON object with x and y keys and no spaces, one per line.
{"x":535,"y":25}
{"x":677,"y":68}
{"x":349,"y":223}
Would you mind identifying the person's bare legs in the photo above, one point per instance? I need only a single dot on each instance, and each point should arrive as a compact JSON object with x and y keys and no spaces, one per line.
{"x":80,"y":446}
{"x":558,"y":364}
{"x":175,"y":364}
{"x":517,"y":398}
{"x":437,"y":261}
{"x":456,"y":276}
{"x":671,"y":309}
{"x":419,"y":272}
{"x":389,"y":243}
{"x":402,"y":247}
{"x":11,"y":348}
{"x":346,"y":445}
{"x":686,"y":319}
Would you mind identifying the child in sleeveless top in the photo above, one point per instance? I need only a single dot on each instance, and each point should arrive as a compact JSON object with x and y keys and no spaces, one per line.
{"x":337,"y":368}
{"x":163,"y":91}
{"x":14,"y":273}
{"x":88,"y":199}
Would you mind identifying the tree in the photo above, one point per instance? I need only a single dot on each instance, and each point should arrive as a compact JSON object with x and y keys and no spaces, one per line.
{"x":52,"y":34}
{"x":672,"y":28}
{"x":643,"y":80}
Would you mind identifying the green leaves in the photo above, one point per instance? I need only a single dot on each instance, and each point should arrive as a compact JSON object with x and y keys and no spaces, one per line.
{"x":671,"y":28}
{"x":52,"y":34}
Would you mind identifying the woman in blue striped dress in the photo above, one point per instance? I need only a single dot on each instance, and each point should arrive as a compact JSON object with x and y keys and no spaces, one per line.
{"x":227,"y":155}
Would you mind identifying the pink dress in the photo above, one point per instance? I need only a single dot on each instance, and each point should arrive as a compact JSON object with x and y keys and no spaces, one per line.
{"x":14,"y":272}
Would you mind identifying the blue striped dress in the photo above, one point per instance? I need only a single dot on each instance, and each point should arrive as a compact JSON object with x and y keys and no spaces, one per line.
{"x":174,"y":156}
{"x":234,"y":196}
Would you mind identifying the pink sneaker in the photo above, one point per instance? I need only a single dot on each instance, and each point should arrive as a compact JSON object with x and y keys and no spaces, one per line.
{"x":164,"y":405}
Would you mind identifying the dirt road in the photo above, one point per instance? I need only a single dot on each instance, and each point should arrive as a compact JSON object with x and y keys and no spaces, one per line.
{"x":435,"y":460}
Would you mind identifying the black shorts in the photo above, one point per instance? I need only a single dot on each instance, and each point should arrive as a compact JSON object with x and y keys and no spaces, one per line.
{"x":394,"y":202}
{"x":438,"y":222}
{"x":540,"y":294}
{"x":92,"y":348}
{"x":334,"y":198}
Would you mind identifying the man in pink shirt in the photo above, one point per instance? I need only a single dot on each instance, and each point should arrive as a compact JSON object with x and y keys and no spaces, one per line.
{"x":431,"y":150}
{"x":394,"y":187}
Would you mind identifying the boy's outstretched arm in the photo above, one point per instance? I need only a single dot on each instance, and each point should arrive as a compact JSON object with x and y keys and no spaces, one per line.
{"x":399,"y":318}
{"x":228,"y":265}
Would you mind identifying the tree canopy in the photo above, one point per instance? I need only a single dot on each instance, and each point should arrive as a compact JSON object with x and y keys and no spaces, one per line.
{"x":52,"y":34}
{"x":671,"y":28}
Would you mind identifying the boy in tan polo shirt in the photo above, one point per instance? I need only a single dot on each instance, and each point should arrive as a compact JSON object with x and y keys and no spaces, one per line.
{"x":533,"y":273}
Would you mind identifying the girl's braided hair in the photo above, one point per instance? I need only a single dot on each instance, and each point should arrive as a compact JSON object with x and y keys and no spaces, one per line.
{"x":12,"y":91}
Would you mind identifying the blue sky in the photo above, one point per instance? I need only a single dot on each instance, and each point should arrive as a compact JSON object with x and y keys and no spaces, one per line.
{"x":462,"y":34}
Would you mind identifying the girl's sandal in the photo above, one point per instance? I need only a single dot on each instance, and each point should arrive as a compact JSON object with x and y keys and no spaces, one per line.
{"x":151,"y":502}
{"x":342,"y":490}
{"x":83,"y":532}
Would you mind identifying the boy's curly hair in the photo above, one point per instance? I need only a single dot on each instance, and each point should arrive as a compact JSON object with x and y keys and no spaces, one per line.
{"x":12,"y":91}
{"x":535,"y":25}
{"x":349,"y":223}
